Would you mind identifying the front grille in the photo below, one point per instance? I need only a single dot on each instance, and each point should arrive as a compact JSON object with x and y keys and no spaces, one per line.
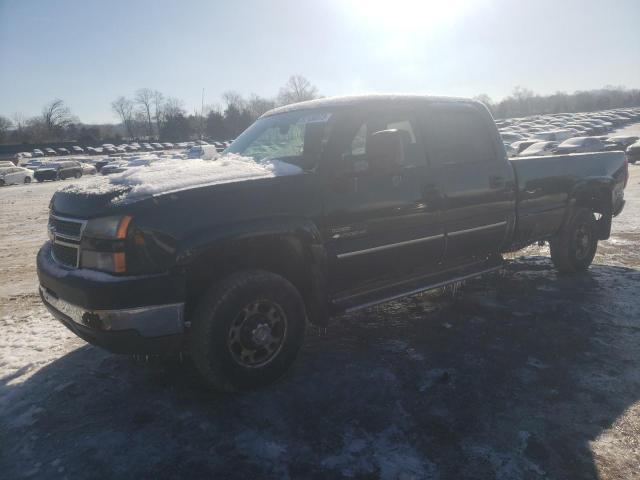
{"x":66,"y":254}
{"x":66,"y":227}
{"x":66,"y":234}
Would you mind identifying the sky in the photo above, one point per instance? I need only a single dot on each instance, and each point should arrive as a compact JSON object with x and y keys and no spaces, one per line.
{"x":89,"y":52}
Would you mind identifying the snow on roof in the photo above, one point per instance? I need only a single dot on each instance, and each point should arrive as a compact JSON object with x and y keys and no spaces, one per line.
{"x":166,"y":176}
{"x":379,"y":98}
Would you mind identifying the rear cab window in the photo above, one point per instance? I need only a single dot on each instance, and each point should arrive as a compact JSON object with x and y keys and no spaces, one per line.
{"x":458,"y":134}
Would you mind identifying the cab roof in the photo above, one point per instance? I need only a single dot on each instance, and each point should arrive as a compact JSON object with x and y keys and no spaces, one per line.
{"x":371,"y":100}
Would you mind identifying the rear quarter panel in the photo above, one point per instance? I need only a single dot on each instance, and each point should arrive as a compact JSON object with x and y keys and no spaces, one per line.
{"x":547,"y":186}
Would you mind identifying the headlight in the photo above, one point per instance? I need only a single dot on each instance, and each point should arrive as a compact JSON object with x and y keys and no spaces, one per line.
{"x":113,"y":262}
{"x":103,"y":244}
{"x":108,"y":228}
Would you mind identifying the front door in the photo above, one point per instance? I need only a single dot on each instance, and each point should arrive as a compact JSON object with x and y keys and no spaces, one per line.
{"x":378,"y":227}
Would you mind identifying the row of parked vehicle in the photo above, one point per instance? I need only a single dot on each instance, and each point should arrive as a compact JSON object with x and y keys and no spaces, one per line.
{"x":563,"y":133}
{"x":106,"y":159}
{"x":41,"y":171}
{"x":111,"y":149}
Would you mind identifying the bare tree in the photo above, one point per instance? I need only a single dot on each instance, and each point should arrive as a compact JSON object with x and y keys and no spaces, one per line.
{"x":5,"y":125}
{"x":173,"y":107}
{"x":18,"y":120}
{"x":258,"y":105}
{"x":56,"y":116}
{"x":144,"y":99}
{"x":158,"y":107}
{"x":297,"y":89}
{"x":123,"y":107}
{"x":233,"y":100}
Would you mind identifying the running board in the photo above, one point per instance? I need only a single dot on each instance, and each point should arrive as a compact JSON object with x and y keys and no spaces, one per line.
{"x":366,"y":300}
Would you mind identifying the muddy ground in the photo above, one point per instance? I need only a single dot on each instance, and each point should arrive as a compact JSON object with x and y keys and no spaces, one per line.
{"x":521,"y":375}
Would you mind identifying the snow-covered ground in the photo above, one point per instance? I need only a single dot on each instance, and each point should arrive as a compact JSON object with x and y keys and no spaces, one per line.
{"x":523,"y":375}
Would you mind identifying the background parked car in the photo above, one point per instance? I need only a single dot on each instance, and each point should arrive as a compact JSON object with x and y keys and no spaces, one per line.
{"x":22,"y":156}
{"x":63,"y":151}
{"x":36,"y":152}
{"x":538,"y":149}
{"x":205,"y":152}
{"x":50,"y":152}
{"x":633,"y":152}
{"x":15,"y":175}
{"x":116,"y":166}
{"x":6,"y":163}
{"x":580,"y":145}
{"x":523,"y":144}
{"x":58,"y":171}
{"x":88,"y":169}
{"x":620,"y":142}
{"x":77,"y":149}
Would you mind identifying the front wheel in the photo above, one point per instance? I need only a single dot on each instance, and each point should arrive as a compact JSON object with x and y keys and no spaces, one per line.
{"x":78,"y":175}
{"x":247,"y":330}
{"x":27,"y":179}
{"x":573,"y":249}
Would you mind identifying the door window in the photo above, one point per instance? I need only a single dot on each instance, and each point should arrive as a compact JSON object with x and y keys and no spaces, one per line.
{"x":356,"y":152}
{"x":458,"y":136}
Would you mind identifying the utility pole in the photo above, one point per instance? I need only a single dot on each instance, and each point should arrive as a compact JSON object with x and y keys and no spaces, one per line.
{"x":202,"y":115}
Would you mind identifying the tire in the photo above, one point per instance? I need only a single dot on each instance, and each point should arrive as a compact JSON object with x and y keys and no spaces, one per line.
{"x":78,"y":175}
{"x":573,"y":249}
{"x":247,"y":330}
{"x":2,"y":184}
{"x":27,"y":179}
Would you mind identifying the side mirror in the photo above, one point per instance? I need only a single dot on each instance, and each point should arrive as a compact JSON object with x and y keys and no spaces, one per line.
{"x":386,"y":151}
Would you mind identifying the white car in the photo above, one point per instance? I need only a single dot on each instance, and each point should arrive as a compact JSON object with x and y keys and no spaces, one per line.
{"x":539,"y":149}
{"x":6,"y":163}
{"x":15,"y":175}
{"x":88,"y":169}
{"x":511,"y":151}
{"x":205,"y":152}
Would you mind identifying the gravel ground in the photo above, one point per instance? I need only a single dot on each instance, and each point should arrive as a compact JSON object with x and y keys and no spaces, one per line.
{"x":520,"y":375}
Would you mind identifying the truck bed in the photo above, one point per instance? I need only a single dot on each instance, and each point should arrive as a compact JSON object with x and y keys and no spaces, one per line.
{"x":546,"y":184}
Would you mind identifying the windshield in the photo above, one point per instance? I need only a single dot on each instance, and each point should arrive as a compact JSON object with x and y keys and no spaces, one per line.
{"x":281,"y":136}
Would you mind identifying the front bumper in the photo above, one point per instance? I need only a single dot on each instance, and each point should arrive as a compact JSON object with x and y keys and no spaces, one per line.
{"x":142,"y":314}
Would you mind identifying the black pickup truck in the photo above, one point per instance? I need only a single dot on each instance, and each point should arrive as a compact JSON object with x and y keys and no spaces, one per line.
{"x":318,"y":208}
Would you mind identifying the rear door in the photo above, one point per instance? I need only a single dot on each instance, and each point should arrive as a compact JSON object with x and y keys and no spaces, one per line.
{"x":379,"y":227}
{"x":476,"y":181}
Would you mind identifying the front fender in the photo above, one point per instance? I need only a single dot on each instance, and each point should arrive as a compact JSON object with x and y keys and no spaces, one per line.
{"x":290,"y":246}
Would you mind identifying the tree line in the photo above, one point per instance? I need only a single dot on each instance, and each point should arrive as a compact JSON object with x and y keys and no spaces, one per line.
{"x":151,"y":115}
{"x":524,"y":102}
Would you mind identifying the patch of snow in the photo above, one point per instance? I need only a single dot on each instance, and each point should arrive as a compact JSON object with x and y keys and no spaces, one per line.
{"x":167,"y":176}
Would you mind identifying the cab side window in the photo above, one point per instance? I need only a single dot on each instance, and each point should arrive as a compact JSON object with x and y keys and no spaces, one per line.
{"x":356,"y":152}
{"x":458,"y":135}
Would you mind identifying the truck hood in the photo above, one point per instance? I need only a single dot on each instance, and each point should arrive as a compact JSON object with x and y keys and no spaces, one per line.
{"x":104,"y":195}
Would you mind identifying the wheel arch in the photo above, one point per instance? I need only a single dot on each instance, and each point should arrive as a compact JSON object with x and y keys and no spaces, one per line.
{"x":291,"y":248}
{"x":596,"y":194}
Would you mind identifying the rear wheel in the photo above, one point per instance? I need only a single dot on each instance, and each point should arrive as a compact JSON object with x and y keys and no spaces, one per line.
{"x":247,"y":330}
{"x":573,"y":249}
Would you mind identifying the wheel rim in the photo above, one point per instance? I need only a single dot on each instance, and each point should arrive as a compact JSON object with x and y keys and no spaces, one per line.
{"x":257,"y":333}
{"x":582,"y":241}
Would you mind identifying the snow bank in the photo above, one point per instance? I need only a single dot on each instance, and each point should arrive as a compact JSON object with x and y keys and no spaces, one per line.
{"x":166,"y":176}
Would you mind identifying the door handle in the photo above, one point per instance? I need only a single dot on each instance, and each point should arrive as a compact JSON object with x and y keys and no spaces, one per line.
{"x":496,"y":181}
